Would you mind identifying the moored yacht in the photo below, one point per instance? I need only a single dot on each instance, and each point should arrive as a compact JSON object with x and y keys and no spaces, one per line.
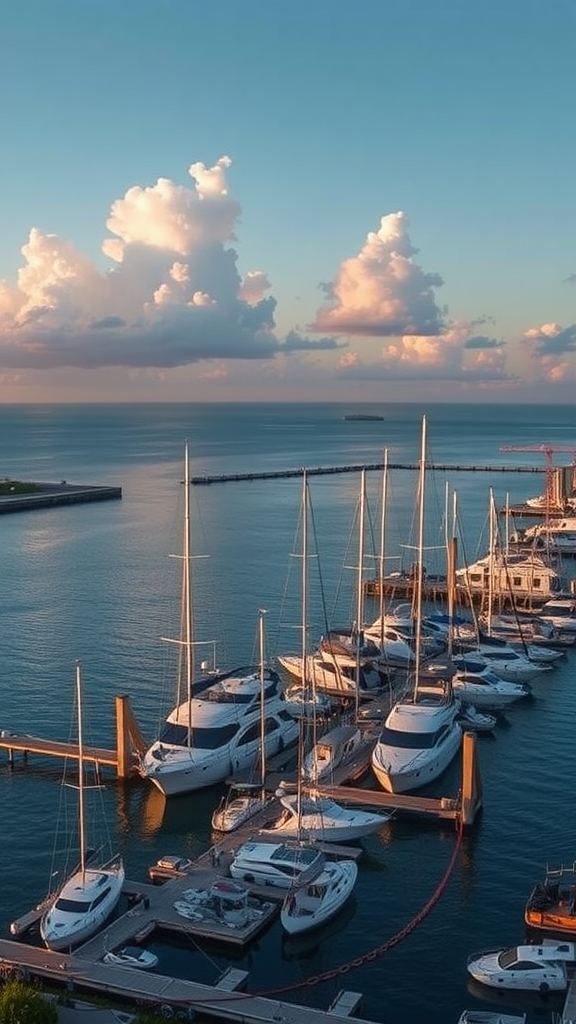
{"x":421,"y":735}
{"x":313,"y":818}
{"x":225,"y":736}
{"x":215,"y":728}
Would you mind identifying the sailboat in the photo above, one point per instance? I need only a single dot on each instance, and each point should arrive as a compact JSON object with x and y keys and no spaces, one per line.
{"x":307,"y":815}
{"x":311,"y":903}
{"x":245,"y":799}
{"x":347,"y":664}
{"x":90,"y":895}
{"x":421,"y":736}
{"x":214,"y":731}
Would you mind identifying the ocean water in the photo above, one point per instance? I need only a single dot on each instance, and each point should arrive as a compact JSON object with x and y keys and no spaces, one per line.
{"x":96,"y":582}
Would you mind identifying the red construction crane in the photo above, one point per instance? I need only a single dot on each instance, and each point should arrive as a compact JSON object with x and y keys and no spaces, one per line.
{"x":548,"y":450}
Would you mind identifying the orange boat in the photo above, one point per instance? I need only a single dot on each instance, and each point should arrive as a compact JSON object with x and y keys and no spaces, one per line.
{"x":551,"y":906}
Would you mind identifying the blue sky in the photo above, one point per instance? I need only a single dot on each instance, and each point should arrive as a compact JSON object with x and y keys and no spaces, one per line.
{"x":320,"y":200}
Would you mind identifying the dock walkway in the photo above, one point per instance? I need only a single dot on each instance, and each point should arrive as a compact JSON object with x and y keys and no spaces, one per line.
{"x":158,"y":990}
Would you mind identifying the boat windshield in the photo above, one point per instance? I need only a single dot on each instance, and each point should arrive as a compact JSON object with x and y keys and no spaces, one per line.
{"x":410,"y":740}
{"x":202,"y":739}
{"x":509,"y":958}
{"x":299,"y":856}
{"x":72,"y":906}
{"x":220,"y":694}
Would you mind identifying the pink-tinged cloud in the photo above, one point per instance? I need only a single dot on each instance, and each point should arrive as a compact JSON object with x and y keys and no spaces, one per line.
{"x":455,"y":355}
{"x":549,"y":345}
{"x":382,"y":292}
{"x":173,"y":295}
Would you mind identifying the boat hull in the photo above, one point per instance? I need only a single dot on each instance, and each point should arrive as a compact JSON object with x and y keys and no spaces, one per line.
{"x":429,"y":765}
{"x":62,"y":929}
{"x":320,"y":900}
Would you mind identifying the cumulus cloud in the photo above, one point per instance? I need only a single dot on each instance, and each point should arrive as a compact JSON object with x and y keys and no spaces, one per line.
{"x":254,"y":287}
{"x":549,"y":345}
{"x":454,"y":355}
{"x":382,"y":291}
{"x":172,"y":296}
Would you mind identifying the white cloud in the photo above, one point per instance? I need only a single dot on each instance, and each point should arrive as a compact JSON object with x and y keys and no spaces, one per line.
{"x":382,"y":291}
{"x":173,"y":296}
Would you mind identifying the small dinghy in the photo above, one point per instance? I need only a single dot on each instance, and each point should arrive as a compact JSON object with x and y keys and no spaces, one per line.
{"x":132,"y":956}
{"x":476,"y":721}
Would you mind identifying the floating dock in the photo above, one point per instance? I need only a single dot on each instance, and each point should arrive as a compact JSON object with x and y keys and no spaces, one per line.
{"x":153,"y":908}
{"x":51,"y":495}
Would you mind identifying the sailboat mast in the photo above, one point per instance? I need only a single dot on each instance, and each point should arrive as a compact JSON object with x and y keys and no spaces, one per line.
{"x":304,"y":642}
{"x":419,"y":564}
{"x":262,"y":704}
{"x":81,"y":808}
{"x":187,"y":586}
{"x":491,"y":562}
{"x":360,"y":595}
{"x":382,"y":559}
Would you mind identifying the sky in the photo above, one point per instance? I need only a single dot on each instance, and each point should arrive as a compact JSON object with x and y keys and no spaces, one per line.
{"x":288,"y":200}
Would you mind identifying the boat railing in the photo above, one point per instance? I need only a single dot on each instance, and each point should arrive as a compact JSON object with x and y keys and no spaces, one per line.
{"x":559,"y":872}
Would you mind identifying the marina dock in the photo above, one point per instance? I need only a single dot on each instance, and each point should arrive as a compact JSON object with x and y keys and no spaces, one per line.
{"x":169,"y":996}
{"x":151,"y":908}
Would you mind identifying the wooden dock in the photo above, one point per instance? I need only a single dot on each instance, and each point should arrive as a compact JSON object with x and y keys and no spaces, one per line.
{"x":568,"y":1014}
{"x":169,"y":996}
{"x":129,"y":744}
{"x":152,"y":908}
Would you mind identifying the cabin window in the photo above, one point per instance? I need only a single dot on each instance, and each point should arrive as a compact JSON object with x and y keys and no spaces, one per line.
{"x":251,"y":734}
{"x":101,"y":896}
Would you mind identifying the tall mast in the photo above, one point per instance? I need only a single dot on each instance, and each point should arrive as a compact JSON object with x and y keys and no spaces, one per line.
{"x":419,"y":565}
{"x":304,"y":642}
{"x":382,"y":557}
{"x":81,"y":809}
{"x":262,"y":702}
{"x":360,"y":595}
{"x":187,"y":586}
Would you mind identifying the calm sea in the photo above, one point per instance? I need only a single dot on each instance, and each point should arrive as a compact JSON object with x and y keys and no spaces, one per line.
{"x":96,"y":583}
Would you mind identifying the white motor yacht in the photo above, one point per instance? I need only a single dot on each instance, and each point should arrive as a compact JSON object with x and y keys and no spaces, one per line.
{"x":421,"y":736}
{"x":484,"y":689}
{"x":320,"y":819}
{"x":224,"y":737}
{"x":525,"y":968}
{"x":275,"y":863}
{"x":507,"y":663}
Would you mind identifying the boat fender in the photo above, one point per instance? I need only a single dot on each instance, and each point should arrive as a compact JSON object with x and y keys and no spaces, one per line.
{"x":166,"y":1011}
